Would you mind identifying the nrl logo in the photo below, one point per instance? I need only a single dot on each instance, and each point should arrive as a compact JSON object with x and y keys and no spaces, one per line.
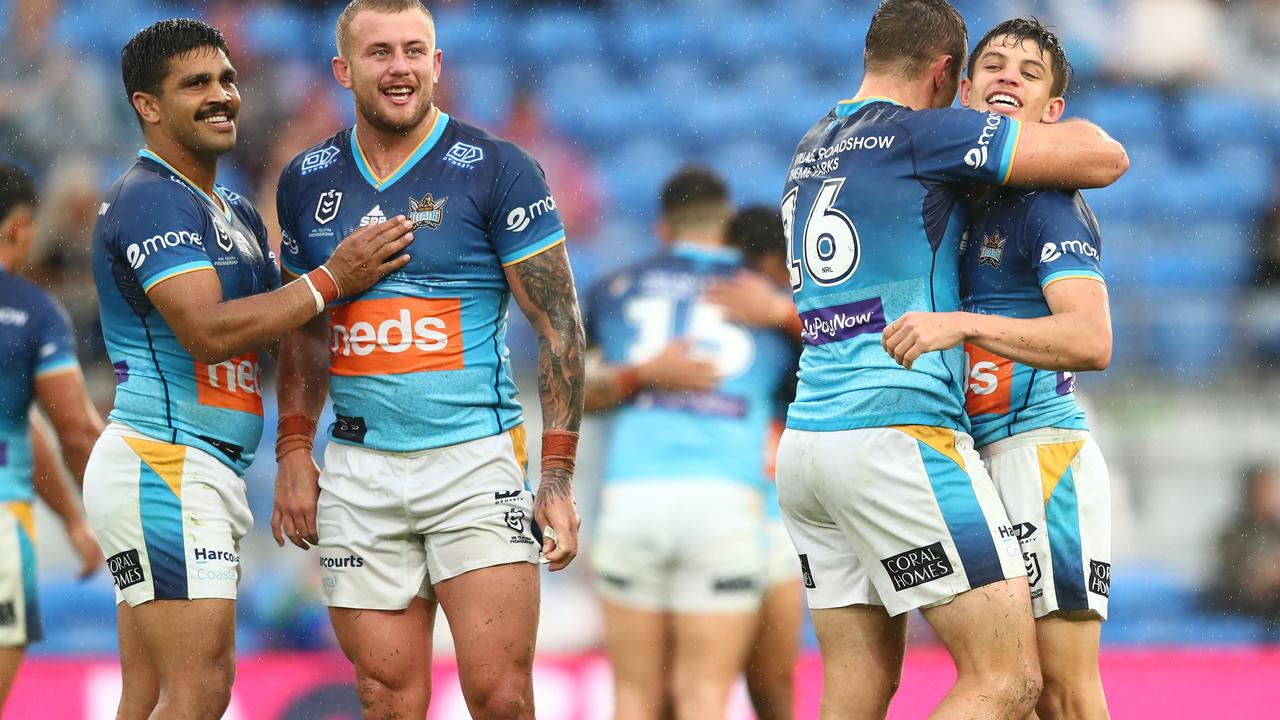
{"x":992,"y":250}
{"x":426,"y":212}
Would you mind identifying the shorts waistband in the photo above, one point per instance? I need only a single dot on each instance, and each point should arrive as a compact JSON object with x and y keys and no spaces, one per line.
{"x":1042,"y":436}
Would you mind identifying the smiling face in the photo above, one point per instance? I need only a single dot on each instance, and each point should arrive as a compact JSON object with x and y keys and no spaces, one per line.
{"x":391,"y":65}
{"x":1013,"y":76}
{"x":198,"y":103}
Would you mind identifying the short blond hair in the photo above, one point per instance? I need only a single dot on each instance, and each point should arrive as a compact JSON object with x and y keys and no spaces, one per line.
{"x":355,"y":7}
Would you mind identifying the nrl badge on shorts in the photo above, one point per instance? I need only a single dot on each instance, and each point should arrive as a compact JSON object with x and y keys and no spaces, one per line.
{"x":426,"y":212}
{"x":991,"y":252}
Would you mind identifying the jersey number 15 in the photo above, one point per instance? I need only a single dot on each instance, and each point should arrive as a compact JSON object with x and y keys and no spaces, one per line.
{"x":830,"y":248}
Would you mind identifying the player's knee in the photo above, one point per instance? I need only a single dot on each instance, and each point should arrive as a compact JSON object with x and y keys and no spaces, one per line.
{"x":503,"y":699}
{"x":204,"y":693}
{"x":379,"y":688}
{"x":1017,"y":688}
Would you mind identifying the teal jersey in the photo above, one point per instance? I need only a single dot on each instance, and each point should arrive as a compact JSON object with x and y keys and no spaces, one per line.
{"x":721,"y":434}
{"x":35,"y":342}
{"x":873,"y":231}
{"x":1018,"y":243}
{"x":156,"y":225}
{"x":420,"y":360}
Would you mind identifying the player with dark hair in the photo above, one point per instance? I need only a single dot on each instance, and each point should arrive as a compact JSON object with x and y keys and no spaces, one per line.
{"x":1035,"y":313}
{"x":424,"y":500}
{"x":189,"y":293}
{"x":37,"y":362}
{"x":679,"y":554}
{"x":888,"y":504}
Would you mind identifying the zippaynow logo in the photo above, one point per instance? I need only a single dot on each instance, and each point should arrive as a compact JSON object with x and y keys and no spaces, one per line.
{"x":392,"y":336}
{"x":233,"y":384}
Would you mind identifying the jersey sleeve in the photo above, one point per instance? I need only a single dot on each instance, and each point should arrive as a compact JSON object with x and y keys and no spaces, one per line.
{"x":161,"y":233}
{"x":1064,"y":239}
{"x":958,"y":145}
{"x":294,"y":258}
{"x":524,"y":220}
{"x":55,"y":349}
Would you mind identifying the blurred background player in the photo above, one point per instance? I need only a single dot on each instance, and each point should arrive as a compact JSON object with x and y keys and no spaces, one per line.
{"x":762,"y":298}
{"x":883,"y":494}
{"x":679,"y":555}
{"x":37,"y":362}
{"x":1248,"y":551}
{"x":1035,"y":313}
{"x":424,"y":499}
{"x":189,"y":293}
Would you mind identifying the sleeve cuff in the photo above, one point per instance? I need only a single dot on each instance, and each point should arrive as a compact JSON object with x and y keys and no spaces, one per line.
{"x":1010,"y":152}
{"x":56,"y":366}
{"x":175,"y":271}
{"x":537,"y":248}
{"x":1071,"y":275}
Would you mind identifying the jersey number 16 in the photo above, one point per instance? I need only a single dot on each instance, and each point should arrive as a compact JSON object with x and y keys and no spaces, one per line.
{"x":830,"y":248}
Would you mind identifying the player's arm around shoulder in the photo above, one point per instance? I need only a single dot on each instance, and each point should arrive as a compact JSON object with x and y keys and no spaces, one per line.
{"x":213,"y":329}
{"x":1070,"y":154}
{"x":543,"y":287}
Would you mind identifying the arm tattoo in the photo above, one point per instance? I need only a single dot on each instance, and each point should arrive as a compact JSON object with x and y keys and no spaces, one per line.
{"x":544,"y":286}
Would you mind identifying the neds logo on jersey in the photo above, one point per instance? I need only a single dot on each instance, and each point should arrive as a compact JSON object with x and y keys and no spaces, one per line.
{"x":233,"y":384}
{"x":990,"y":384}
{"x":391,"y":336}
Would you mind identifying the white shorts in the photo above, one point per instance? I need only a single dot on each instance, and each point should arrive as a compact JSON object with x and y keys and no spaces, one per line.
{"x":780,"y":563}
{"x":903,"y":517}
{"x":1056,"y":489}
{"x":393,"y":524}
{"x":685,"y":546}
{"x":169,"y":518}
{"x":19,"y":603}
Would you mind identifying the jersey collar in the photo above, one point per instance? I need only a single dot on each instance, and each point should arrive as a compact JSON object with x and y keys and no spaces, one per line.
{"x":225,"y":207}
{"x":424,"y":147}
{"x":845,"y":108}
{"x":701,"y":251}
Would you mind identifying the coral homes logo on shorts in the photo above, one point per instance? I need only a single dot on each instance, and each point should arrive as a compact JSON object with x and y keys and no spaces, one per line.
{"x":392,"y":336}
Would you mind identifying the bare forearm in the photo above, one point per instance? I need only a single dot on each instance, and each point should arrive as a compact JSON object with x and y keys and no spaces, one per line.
{"x":50,"y":478}
{"x":607,"y":386}
{"x":1062,"y":342}
{"x":303,"y":380}
{"x":238,"y":326}
{"x":543,"y":286}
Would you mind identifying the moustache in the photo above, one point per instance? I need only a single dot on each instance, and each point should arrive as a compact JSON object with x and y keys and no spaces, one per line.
{"x":216,"y":109}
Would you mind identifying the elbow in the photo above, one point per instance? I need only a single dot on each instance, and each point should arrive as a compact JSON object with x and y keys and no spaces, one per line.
{"x":207,"y":350}
{"x":1097,"y":356}
{"x":1119,"y":164}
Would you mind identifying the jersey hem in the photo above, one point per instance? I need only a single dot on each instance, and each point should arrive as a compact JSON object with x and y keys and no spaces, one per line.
{"x":887,"y":421}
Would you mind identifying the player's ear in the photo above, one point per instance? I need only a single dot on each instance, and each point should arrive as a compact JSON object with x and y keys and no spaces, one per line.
{"x":966,"y":87}
{"x":147,"y":107}
{"x":341,"y":71}
{"x":1054,"y":110}
{"x":941,"y":71}
{"x":439,"y":59}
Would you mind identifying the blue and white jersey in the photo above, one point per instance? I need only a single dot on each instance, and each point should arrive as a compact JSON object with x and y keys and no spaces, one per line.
{"x":156,"y":225}
{"x":1018,"y":243}
{"x":420,"y":359}
{"x":873,"y":232}
{"x":718,"y":435}
{"x":35,"y":342}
